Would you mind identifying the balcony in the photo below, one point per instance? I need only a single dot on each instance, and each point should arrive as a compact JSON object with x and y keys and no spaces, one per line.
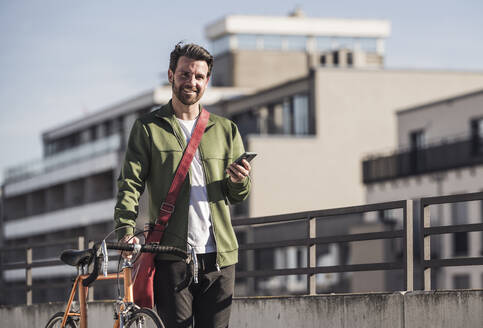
{"x":433,"y":158}
{"x":65,"y":158}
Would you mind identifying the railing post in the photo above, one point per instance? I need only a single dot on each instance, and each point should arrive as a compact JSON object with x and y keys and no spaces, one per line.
{"x":426,"y":223}
{"x":312,"y":257}
{"x":408,"y":246}
{"x":90,"y":295}
{"x":82,"y":290}
{"x":80,"y":242}
{"x":251,"y":282}
{"x":28,"y":275}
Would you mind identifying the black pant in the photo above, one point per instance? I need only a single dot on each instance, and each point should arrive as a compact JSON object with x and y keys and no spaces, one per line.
{"x":207,"y":304}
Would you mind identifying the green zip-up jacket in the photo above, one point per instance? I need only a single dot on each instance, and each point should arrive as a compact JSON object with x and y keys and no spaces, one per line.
{"x":154,"y":150}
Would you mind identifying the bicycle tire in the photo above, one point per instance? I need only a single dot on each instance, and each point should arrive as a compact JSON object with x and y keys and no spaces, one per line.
{"x":56,"y":321}
{"x":145,"y":318}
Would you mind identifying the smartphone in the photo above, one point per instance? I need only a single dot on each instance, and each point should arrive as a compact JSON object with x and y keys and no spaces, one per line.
{"x":247,"y":155}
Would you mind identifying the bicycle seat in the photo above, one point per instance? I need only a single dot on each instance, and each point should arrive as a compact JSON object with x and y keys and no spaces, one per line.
{"x":76,"y":257}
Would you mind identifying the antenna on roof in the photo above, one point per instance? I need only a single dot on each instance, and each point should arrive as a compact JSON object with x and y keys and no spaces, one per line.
{"x":297,"y":12}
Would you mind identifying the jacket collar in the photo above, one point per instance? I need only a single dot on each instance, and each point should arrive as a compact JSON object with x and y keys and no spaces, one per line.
{"x":166,"y":112}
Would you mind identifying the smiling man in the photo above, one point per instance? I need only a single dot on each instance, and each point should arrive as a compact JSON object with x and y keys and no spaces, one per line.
{"x":200,"y":222}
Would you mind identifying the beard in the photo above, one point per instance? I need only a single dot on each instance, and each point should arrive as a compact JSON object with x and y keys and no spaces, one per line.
{"x":187,"y":95}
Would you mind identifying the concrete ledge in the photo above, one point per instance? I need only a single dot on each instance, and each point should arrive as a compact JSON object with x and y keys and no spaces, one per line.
{"x":442,"y":309}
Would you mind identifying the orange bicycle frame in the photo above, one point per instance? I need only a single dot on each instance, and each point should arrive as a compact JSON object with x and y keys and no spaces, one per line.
{"x":83,"y":291}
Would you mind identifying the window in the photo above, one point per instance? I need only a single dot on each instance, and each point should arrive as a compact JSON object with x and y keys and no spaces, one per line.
{"x":247,"y":41}
{"x":335,"y":58}
{"x":459,"y":215}
{"x":367,"y":44}
{"x":301,"y":114}
{"x":93,"y":133}
{"x":290,"y":116}
{"x":416,"y":141}
{"x":108,"y":128}
{"x":221,"y":45}
{"x":296,"y":115}
{"x":272,"y":42}
{"x":296,"y":42}
{"x":275,"y":119}
{"x":56,"y":193}
{"x":343,"y":43}
{"x":324,"y":43}
{"x":350,"y":59}
{"x":287,"y":116}
{"x":75,"y":192}
{"x":15,"y":207}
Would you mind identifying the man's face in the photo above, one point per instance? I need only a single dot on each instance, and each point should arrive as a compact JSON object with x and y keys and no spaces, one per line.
{"x":189,"y":80}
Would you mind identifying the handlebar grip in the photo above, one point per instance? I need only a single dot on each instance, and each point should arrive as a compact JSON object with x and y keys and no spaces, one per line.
{"x":120,"y":246}
{"x":153,"y":248}
{"x":93,"y":276}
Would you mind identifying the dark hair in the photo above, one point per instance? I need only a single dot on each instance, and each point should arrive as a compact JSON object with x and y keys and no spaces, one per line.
{"x":192,"y":51}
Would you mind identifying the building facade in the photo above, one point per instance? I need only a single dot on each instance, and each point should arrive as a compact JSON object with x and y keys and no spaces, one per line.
{"x":440,"y":152}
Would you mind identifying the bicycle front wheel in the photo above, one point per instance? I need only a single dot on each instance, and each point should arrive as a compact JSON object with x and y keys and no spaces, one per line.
{"x":56,"y":321}
{"x":144,"y":318}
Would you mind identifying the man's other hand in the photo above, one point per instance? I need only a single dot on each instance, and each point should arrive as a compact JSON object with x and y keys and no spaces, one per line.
{"x":130,"y":240}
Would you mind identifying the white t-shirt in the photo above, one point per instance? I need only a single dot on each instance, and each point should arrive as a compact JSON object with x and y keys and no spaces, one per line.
{"x":200,"y":233}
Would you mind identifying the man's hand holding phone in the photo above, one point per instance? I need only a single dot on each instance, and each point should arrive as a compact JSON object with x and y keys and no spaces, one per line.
{"x":240,"y":168}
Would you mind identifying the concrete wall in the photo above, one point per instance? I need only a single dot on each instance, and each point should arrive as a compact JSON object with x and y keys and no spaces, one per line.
{"x":442,"y":309}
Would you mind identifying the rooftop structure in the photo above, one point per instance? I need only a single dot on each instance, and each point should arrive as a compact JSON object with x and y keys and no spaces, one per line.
{"x":296,"y":32}
{"x":252,"y":50}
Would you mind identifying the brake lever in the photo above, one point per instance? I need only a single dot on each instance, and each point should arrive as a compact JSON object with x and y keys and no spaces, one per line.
{"x":105,"y":258}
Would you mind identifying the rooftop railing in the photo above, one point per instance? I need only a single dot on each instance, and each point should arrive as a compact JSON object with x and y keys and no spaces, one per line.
{"x":311,"y":241}
{"x":427,"y":263}
{"x":433,"y":158}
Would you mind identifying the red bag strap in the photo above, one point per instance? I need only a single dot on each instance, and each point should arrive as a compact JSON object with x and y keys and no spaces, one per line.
{"x":167,"y":207}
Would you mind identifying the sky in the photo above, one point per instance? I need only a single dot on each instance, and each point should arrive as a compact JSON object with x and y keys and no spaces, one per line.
{"x":62,"y":59}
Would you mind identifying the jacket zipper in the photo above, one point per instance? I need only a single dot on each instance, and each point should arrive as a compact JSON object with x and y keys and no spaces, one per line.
{"x":211,"y":218}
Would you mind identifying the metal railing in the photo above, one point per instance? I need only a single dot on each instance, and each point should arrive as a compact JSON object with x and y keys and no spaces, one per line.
{"x":432,"y":158}
{"x":427,"y":231}
{"x":29,"y":263}
{"x":310,"y":241}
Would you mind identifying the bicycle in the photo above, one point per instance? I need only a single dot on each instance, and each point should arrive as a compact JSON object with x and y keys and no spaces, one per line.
{"x":126,"y":313}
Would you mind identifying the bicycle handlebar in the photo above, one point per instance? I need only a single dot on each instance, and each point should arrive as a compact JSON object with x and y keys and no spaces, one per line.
{"x":147,"y":248}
